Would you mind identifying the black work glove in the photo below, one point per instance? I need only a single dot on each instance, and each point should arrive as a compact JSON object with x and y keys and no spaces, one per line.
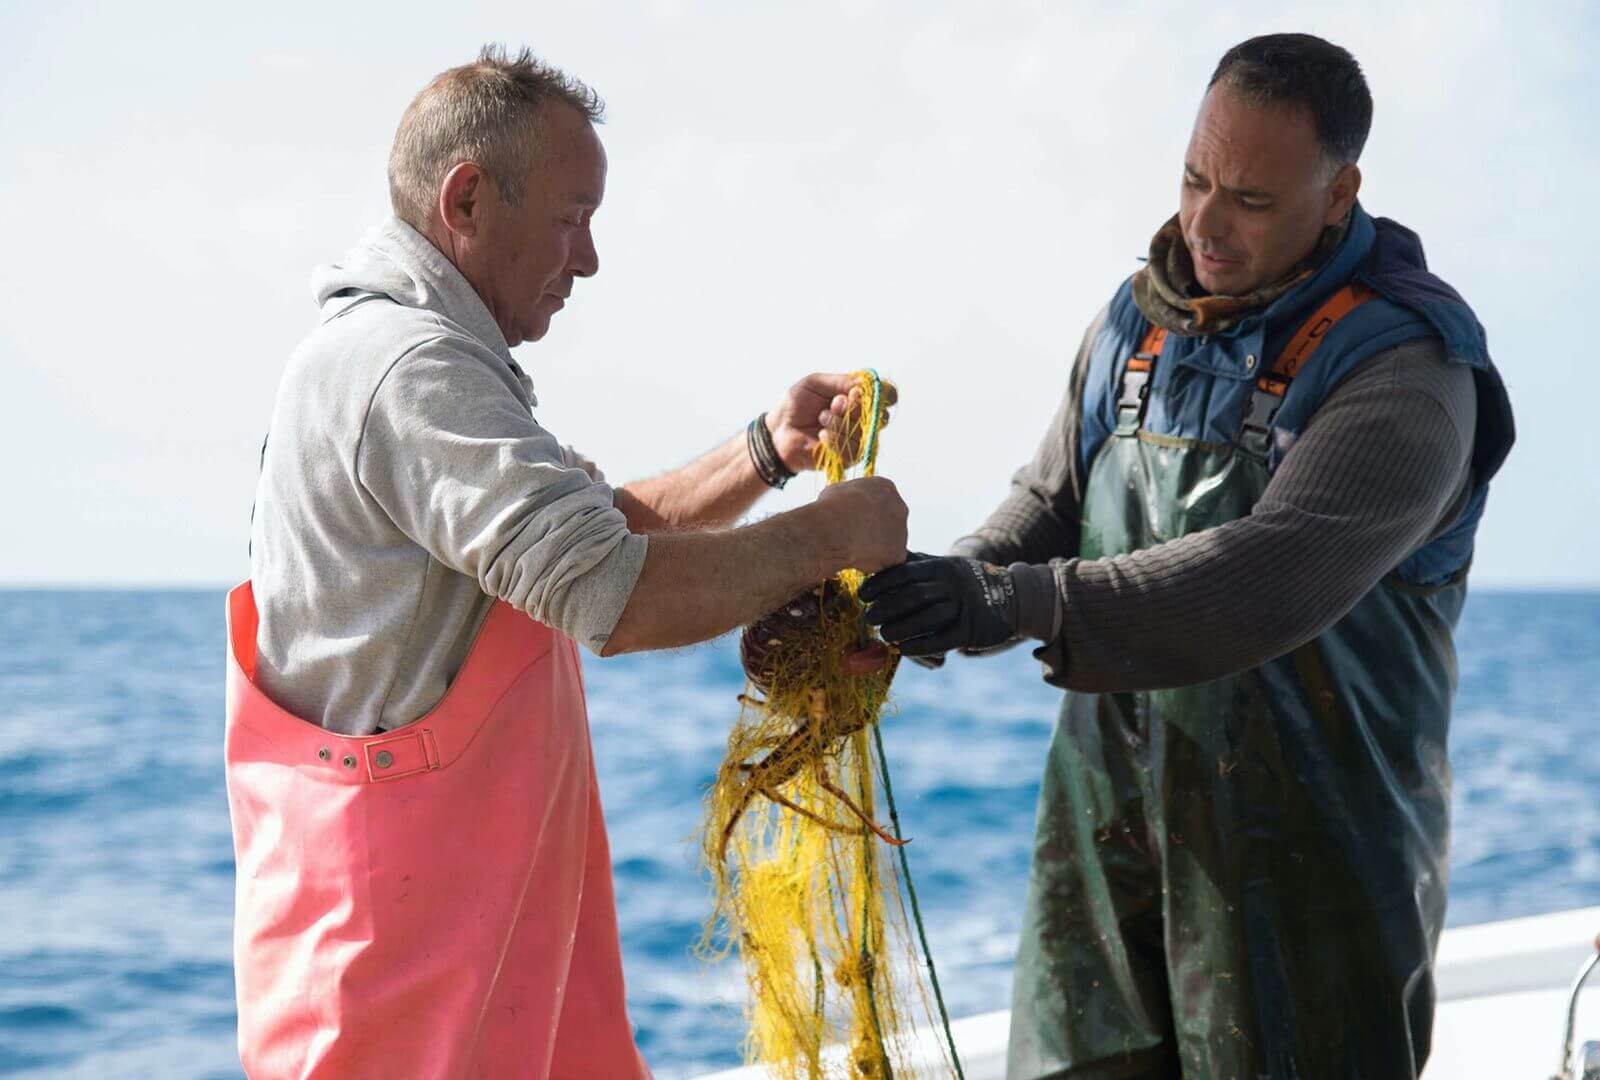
{"x":929,"y":605}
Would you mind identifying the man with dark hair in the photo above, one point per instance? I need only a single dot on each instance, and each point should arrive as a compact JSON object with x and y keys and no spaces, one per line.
{"x":1243,"y":545}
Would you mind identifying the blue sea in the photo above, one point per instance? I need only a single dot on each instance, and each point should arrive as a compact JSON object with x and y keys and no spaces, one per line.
{"x":116,"y":867}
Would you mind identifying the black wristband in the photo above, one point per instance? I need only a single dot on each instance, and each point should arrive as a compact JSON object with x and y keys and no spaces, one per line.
{"x":764,"y":454}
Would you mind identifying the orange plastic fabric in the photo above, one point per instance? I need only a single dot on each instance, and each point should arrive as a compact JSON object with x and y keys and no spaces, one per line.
{"x":1310,"y":335}
{"x":431,"y":902}
{"x":1155,"y":339}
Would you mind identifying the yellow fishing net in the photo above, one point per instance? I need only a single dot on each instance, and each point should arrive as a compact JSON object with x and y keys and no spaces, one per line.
{"x":806,"y":890}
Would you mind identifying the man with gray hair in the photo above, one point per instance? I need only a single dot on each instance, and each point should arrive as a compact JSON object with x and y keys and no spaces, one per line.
{"x":424,"y":885}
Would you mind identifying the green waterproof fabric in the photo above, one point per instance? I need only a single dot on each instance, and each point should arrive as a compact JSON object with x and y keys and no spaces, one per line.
{"x":1246,"y":878}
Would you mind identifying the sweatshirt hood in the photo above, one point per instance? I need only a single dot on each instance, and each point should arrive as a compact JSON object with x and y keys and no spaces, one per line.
{"x":395,"y":262}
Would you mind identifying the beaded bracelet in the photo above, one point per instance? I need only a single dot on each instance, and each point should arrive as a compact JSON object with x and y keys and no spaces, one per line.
{"x":764,"y":454}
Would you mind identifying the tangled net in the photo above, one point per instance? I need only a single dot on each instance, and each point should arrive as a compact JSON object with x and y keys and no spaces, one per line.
{"x":793,"y":841}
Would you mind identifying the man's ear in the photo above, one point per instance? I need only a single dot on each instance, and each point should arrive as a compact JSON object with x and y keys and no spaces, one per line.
{"x":1342,"y":193}
{"x":461,"y":198}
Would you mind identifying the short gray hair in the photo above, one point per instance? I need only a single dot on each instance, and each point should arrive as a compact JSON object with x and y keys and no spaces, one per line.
{"x":487,"y":112}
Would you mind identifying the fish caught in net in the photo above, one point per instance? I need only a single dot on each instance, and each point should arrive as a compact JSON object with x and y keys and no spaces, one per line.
{"x":807,"y":889}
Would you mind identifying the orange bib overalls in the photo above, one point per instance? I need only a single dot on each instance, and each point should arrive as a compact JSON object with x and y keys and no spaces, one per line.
{"x":434,"y":901}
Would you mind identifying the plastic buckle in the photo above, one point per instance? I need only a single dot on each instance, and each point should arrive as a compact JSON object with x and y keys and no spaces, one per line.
{"x":1135,"y":391}
{"x":1135,"y":388}
{"x":1255,"y":434}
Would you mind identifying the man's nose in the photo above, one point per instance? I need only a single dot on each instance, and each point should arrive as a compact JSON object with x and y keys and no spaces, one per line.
{"x":584,"y":260}
{"x":1210,"y":220}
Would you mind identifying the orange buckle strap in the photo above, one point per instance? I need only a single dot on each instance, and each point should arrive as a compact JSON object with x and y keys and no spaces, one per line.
{"x":1136,"y":376}
{"x":1267,"y":397}
{"x":1310,"y":335}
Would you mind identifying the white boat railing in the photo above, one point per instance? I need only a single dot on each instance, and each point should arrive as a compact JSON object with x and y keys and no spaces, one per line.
{"x":1528,"y":964}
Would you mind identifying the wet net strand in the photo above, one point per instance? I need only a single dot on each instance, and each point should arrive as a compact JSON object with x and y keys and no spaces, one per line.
{"x":792,"y":839}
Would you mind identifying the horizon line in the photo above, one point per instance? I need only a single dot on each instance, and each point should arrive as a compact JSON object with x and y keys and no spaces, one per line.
{"x":51,"y":585}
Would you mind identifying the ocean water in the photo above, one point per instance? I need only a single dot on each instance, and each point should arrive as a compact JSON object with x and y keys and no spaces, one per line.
{"x":116,"y":868}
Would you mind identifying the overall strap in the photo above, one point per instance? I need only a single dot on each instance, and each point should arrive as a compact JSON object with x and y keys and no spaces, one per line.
{"x":1136,"y":376}
{"x":1255,"y":435}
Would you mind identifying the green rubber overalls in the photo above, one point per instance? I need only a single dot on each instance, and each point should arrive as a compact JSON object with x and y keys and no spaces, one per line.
{"x":1245,"y":878}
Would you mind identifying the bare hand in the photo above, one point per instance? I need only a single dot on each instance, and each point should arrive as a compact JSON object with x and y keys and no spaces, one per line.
{"x":866,"y":660}
{"x":867,"y":520}
{"x":813,"y":411}
{"x":800,"y":616}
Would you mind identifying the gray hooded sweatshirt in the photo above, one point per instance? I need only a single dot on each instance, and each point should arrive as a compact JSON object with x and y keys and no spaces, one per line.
{"x":405,"y":486}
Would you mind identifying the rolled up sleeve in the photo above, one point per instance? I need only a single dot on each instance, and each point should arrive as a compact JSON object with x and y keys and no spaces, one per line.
{"x":455,"y":458}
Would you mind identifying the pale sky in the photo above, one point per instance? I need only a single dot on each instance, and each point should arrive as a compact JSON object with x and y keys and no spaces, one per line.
{"x":945,"y":191}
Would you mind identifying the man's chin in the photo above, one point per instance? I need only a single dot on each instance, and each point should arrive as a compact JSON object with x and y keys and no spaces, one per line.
{"x":536,"y":330}
{"x":1227,"y":284}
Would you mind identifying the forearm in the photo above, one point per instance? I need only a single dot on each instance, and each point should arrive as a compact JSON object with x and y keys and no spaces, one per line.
{"x":699,"y":585}
{"x":714,"y":489}
{"x":718,"y":487}
{"x":1381,"y":468}
{"x":1207,"y":605}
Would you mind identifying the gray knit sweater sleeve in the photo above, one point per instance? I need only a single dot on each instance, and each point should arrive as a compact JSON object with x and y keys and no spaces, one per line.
{"x":1383,"y":466}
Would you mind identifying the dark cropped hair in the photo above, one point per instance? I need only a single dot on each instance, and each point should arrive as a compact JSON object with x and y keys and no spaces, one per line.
{"x":1299,"y":69}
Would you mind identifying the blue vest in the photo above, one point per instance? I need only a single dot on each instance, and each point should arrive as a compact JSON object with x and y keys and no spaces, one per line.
{"x":1203,"y":386}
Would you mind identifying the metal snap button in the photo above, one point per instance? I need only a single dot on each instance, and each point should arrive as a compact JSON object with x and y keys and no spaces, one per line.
{"x":324,"y":753}
{"x":349,"y":761}
{"x":383,"y":759}
{"x":1250,"y":362}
